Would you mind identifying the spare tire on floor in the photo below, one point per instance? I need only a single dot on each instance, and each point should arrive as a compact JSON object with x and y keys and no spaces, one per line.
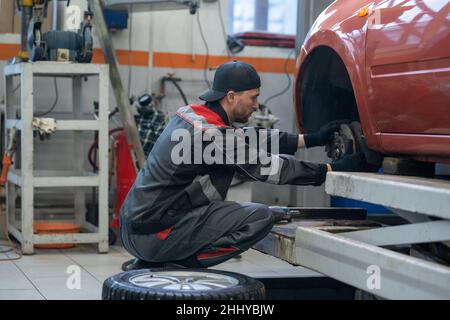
{"x":181,"y":284}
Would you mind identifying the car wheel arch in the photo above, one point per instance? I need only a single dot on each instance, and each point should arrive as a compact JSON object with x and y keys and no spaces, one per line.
{"x":325,"y":90}
{"x":352,"y":59}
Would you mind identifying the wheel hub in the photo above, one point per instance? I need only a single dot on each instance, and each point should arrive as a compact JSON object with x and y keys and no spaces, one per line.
{"x":183,"y":280}
{"x":342,"y":143}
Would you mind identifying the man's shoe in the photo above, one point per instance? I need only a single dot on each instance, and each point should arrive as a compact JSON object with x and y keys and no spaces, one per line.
{"x":136,"y":264}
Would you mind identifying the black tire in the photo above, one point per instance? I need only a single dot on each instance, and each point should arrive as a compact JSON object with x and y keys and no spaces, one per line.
{"x":234,"y":286}
{"x":373,"y":158}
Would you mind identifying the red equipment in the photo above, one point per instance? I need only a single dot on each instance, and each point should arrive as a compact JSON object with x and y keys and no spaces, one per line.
{"x":125,"y":174}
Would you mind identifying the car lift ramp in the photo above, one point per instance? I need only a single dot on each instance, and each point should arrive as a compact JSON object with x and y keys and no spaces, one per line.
{"x":361,"y":259}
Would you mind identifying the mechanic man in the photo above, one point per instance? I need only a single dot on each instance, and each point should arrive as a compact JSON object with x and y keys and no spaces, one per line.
{"x":175,"y":213}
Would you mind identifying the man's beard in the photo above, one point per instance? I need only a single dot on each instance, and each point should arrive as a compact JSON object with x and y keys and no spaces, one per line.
{"x":242,"y":120}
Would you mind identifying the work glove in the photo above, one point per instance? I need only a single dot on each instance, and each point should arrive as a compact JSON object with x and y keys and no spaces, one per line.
{"x":351,"y":163}
{"x":45,"y":126}
{"x":321,"y":137}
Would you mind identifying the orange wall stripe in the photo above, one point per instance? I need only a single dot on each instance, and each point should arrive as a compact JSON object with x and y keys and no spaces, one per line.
{"x":172,"y":60}
{"x":186,"y":61}
{"x":9,"y":50}
{"x":133,"y":58}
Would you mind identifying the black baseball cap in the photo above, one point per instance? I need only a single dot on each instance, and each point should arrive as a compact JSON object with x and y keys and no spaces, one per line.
{"x":232,"y":76}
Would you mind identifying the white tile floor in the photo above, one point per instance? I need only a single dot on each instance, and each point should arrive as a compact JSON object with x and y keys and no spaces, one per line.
{"x":44,"y":275}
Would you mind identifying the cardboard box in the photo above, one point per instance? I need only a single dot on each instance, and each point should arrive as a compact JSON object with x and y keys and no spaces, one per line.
{"x":6,"y":16}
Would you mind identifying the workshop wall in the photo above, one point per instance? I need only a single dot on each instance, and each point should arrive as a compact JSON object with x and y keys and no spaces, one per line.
{"x":154,"y":45}
{"x":156,"y":39}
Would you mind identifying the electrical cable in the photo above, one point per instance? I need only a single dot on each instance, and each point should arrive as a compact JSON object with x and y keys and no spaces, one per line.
{"x":288,"y":77}
{"x":10,"y":243}
{"x":183,"y":96}
{"x":224,"y":31}
{"x":5,"y":251}
{"x":54,"y":103}
{"x":94,"y":146}
{"x":205,"y":69}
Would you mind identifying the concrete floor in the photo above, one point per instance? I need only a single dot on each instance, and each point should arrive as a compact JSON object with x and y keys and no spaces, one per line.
{"x":43,"y":275}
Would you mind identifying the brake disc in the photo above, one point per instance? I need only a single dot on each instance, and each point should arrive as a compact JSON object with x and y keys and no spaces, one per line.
{"x":342,"y":143}
{"x":350,"y":139}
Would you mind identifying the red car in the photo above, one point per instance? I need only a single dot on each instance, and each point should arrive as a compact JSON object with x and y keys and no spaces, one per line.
{"x":386,"y":64}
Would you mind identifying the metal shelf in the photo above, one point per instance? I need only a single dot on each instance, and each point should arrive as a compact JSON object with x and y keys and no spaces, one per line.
{"x":61,"y":125}
{"x":86,"y":180}
{"x":28,"y":179}
{"x":55,"y":69}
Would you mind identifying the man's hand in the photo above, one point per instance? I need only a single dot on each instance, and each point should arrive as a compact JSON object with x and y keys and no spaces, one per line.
{"x":321,"y":137}
{"x":350,"y":163}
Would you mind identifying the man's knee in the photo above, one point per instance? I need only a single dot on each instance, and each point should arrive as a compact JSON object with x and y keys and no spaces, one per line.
{"x":261,"y":212}
{"x":260,"y":221}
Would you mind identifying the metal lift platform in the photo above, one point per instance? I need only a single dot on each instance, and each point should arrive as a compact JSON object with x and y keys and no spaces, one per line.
{"x":365,"y":255}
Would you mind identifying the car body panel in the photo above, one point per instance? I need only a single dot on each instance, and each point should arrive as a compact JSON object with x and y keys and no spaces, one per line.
{"x":408,"y":66}
{"x":419,"y":130}
{"x":330,"y":30}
